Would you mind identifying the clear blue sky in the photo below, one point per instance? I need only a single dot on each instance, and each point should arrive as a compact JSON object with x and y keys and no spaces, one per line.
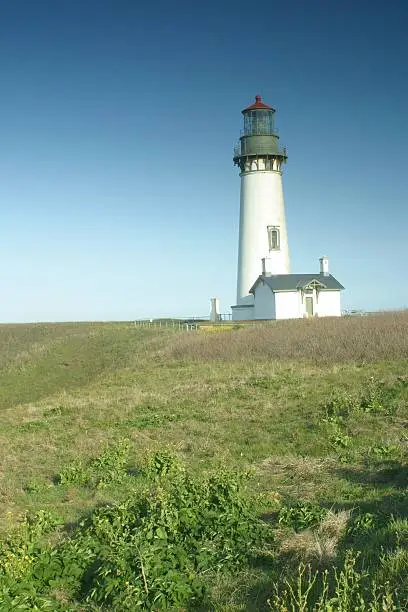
{"x":118,"y":118}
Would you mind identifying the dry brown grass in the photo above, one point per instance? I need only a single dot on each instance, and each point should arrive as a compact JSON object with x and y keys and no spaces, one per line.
{"x":319,"y":545}
{"x":364,"y":339}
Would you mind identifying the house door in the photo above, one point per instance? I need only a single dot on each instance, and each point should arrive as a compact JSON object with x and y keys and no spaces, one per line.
{"x":309,"y":306}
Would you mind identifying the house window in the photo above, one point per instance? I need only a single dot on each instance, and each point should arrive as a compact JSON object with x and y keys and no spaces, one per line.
{"x":273,"y":238}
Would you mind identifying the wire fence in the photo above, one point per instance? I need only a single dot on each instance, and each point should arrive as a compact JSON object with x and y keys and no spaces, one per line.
{"x":176,"y":325}
{"x":188,"y":324}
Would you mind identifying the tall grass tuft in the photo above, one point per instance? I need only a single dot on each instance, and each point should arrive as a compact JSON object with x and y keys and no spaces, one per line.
{"x":339,"y":590}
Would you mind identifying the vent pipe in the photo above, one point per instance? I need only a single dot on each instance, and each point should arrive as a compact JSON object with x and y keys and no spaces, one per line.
{"x":266,"y":266}
{"x":324,"y":265}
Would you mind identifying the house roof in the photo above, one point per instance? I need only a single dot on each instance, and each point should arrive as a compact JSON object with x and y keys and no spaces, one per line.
{"x":292,"y":282}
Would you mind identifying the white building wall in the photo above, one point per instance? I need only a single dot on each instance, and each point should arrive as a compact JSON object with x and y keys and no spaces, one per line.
{"x":262,"y":204}
{"x":264,"y":302}
{"x":328,"y":304}
{"x":288,"y":305}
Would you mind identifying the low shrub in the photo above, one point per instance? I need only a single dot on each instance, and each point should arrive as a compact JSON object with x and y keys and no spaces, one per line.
{"x":153,"y":551}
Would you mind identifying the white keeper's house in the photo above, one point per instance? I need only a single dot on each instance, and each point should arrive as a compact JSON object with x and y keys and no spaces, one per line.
{"x":266,"y":289}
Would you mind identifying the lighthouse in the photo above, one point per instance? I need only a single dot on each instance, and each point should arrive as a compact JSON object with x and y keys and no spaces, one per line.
{"x":263,"y":239}
{"x":265,"y":288}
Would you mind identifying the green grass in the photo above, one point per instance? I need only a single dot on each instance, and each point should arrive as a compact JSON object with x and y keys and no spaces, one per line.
{"x":323,"y":434}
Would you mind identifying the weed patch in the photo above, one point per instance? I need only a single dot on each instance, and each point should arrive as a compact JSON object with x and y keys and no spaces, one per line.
{"x":375,"y":397}
{"x":153,"y":551}
{"x":56,"y":411}
{"x":386,"y":452}
{"x":107,"y":468}
{"x":301,"y":515}
{"x":341,"y":590}
{"x":32,"y":426}
{"x":151,"y":420}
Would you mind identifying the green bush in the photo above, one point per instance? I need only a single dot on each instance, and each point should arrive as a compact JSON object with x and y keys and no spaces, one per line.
{"x":155,"y":550}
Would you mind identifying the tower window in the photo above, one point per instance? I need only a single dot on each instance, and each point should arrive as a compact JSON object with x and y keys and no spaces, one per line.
{"x":273,"y":238}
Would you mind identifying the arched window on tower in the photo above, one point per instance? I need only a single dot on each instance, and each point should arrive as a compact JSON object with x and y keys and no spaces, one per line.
{"x":273,"y":237}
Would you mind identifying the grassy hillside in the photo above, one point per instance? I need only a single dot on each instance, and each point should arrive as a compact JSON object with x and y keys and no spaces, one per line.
{"x":164,"y":423}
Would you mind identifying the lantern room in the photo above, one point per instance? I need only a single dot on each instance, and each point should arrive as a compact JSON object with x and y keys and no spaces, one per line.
{"x":259,"y":119}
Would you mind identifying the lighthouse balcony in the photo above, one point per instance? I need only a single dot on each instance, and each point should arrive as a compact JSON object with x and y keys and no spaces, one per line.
{"x":259,"y":145}
{"x":241,"y":155}
{"x":240,"y":151}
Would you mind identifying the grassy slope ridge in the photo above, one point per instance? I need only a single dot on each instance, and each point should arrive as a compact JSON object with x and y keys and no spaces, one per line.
{"x":317,"y":410}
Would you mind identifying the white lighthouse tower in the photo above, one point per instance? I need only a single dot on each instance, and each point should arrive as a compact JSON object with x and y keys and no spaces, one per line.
{"x":263,"y":242}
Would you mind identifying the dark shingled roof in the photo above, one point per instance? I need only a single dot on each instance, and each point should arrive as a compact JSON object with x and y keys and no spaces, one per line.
{"x":291,"y":282}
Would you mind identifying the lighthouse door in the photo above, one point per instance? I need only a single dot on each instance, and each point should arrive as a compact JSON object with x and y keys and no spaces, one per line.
{"x":309,"y":306}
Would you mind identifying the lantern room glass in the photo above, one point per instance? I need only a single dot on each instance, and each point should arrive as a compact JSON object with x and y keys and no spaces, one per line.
{"x":259,"y":123}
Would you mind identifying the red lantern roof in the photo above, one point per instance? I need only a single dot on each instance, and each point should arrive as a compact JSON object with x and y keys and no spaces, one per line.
{"x":258,"y":105}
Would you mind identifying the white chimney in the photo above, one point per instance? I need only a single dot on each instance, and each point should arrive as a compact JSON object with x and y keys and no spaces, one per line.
{"x":266,"y":266}
{"x":215,"y":310}
{"x":324,"y":265}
